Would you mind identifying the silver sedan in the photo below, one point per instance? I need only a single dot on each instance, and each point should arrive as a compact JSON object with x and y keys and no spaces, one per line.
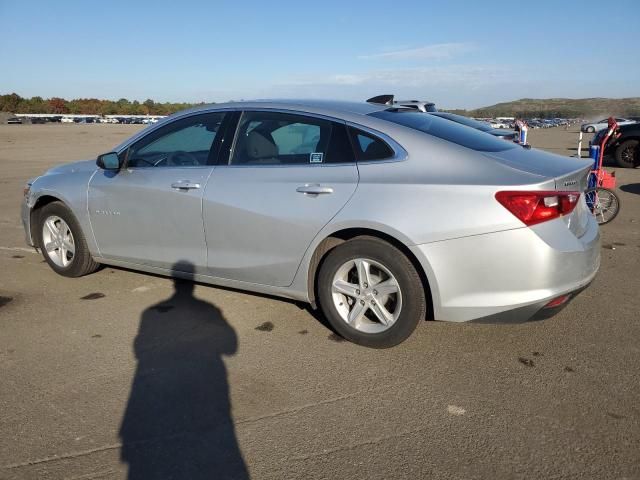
{"x":379,"y":215}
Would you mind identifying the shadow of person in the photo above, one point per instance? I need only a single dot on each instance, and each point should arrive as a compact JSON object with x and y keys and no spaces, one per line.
{"x":177,"y":423}
{"x":631,"y":188}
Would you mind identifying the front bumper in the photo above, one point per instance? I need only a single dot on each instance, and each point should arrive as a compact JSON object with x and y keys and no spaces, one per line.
{"x":508,"y":276}
{"x":25,"y":214}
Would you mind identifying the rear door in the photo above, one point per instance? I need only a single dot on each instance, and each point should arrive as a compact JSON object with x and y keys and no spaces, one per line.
{"x":287,"y":176}
{"x":150,"y":212}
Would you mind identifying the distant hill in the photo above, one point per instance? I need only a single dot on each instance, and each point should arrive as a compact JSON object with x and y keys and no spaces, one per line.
{"x":559,"y":107}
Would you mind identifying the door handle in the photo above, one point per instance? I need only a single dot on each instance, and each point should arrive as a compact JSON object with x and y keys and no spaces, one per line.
{"x":185,"y":185}
{"x":314,"y":189}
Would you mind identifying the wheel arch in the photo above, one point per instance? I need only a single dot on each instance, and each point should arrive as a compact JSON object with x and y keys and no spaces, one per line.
{"x":40,"y":202}
{"x":338,"y":237}
{"x":635,"y":136}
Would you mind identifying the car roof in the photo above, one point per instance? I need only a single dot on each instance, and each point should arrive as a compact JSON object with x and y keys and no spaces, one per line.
{"x":326,"y":107}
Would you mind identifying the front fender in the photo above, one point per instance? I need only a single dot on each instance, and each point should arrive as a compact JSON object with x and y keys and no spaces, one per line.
{"x":69,"y":188}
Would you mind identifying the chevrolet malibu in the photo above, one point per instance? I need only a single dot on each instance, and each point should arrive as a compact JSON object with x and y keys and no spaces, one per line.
{"x":380,"y":215}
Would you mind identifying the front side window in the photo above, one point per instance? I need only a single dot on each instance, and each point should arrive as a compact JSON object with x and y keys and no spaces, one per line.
{"x":273,"y":138}
{"x":184,"y":143}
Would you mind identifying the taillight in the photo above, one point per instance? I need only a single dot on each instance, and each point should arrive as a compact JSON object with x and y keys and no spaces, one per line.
{"x":533,"y":207}
{"x":556,"y":302}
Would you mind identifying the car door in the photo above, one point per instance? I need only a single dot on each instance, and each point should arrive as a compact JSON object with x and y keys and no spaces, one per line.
{"x":150,"y":211}
{"x":288,"y":175}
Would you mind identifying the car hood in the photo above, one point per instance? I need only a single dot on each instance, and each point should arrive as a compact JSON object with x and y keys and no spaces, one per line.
{"x":73,"y":167}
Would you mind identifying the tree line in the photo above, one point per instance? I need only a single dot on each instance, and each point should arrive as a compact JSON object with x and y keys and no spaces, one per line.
{"x":14,"y":103}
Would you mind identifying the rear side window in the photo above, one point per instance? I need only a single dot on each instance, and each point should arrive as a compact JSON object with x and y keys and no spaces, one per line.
{"x":369,"y":147}
{"x":274,"y":138}
{"x":445,"y":129}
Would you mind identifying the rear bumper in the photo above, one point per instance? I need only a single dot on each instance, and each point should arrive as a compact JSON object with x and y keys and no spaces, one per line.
{"x":509,"y":276}
{"x":530,"y":313}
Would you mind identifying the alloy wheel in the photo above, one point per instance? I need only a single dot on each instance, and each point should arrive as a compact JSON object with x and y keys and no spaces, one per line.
{"x":57,"y":241}
{"x":366,"y":295}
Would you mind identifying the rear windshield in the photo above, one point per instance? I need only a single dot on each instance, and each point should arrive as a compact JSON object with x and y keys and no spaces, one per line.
{"x":469,"y":122}
{"x":446,"y":130}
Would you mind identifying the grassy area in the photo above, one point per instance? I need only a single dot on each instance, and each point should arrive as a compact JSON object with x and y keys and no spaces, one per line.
{"x":559,"y":107}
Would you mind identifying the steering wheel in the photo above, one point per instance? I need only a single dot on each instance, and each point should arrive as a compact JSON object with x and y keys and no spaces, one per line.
{"x":181,"y":158}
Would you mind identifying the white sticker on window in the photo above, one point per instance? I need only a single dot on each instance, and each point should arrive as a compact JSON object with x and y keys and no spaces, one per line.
{"x":315,"y":157}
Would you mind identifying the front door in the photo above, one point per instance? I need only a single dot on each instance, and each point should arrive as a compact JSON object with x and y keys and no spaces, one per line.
{"x":150,"y":212}
{"x":288,"y":175}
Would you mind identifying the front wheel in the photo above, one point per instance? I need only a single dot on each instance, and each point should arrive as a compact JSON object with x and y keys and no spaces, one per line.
{"x":62,"y":242}
{"x":591,"y":129}
{"x":628,"y":153}
{"x":603,"y":203}
{"x":371,"y":293}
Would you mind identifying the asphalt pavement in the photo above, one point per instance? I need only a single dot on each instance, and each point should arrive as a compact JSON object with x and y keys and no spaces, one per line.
{"x":128,"y":375}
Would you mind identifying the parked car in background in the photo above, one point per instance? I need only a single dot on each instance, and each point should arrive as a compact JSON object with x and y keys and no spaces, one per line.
{"x":14,"y":121}
{"x":66,"y":120}
{"x":600,"y":124}
{"x":625,"y":149}
{"x":503,"y":133}
{"x":498,"y":124}
{"x":375,"y":213}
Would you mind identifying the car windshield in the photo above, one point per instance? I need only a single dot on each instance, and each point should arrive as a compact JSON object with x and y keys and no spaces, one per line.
{"x":469,"y":122}
{"x":446,"y":130}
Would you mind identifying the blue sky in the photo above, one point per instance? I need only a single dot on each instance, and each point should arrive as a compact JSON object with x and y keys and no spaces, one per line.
{"x":456,"y":53}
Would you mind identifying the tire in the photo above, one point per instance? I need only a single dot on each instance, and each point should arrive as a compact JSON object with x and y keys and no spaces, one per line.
{"x":388,"y":268}
{"x":628,"y":153}
{"x":603,"y":203}
{"x":57,"y":226}
{"x":591,"y":129}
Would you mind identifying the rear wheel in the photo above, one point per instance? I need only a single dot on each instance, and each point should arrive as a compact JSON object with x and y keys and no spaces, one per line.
{"x":62,"y":242}
{"x":628,"y":154}
{"x":371,"y":293}
{"x":604,"y":204}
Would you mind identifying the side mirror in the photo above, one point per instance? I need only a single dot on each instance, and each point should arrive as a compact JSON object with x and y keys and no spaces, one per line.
{"x":108,"y":161}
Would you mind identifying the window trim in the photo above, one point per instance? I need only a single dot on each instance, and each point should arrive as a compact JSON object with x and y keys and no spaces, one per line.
{"x":280,"y":165}
{"x":167,"y":121}
{"x":399,"y":153}
{"x":215,"y":145}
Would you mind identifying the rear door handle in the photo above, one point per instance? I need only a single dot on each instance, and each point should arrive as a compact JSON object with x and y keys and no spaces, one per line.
{"x":314,"y":189}
{"x":185,"y":185}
